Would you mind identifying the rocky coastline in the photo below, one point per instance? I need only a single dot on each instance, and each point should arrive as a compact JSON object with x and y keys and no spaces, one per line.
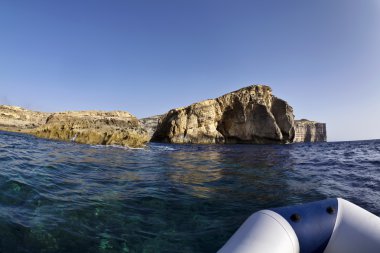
{"x":17,"y":119}
{"x":248,"y":115}
{"x":87,"y":127}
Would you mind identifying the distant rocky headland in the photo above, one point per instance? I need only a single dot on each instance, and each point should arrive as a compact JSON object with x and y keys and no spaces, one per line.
{"x":310,"y":131}
{"x":89,"y":127}
{"x":248,"y":115}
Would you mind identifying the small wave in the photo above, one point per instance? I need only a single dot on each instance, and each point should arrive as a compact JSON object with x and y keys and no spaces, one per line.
{"x":115,"y":146}
{"x":162,"y":148}
{"x":374,"y":162}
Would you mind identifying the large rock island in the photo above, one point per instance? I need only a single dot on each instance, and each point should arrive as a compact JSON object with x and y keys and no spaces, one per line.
{"x":248,"y":115}
{"x":89,"y":127}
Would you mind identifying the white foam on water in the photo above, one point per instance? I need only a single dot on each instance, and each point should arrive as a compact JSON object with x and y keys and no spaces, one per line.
{"x":115,"y":146}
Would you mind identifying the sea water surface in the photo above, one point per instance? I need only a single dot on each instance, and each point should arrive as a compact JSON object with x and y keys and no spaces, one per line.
{"x":66,"y":197}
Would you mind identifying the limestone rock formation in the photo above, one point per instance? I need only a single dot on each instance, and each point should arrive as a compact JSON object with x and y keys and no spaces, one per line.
{"x":309,"y":131}
{"x":94,"y":127}
{"x":248,"y":115}
{"x":150,"y":124}
{"x":14,"y":118}
{"x":90,"y":127}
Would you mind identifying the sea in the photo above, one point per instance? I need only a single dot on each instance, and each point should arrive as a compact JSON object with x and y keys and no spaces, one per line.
{"x":66,"y":197}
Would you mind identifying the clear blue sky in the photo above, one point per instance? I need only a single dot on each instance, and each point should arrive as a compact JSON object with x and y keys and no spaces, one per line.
{"x":146,"y":57}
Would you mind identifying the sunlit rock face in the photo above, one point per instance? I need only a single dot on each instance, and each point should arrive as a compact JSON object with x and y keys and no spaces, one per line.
{"x":16,"y":118}
{"x":248,"y":115}
{"x":150,"y":124}
{"x":89,"y":127}
{"x":309,"y":131}
{"x":94,"y":127}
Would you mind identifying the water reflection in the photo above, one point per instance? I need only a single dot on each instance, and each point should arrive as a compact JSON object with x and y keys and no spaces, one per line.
{"x":196,"y":171}
{"x":257,"y":175}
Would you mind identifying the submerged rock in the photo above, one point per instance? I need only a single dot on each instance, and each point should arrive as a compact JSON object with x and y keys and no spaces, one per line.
{"x":94,"y":127}
{"x":248,"y":115}
{"x":309,"y":131}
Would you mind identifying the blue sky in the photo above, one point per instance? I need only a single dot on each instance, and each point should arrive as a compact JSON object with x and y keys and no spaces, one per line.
{"x":147,"y":57}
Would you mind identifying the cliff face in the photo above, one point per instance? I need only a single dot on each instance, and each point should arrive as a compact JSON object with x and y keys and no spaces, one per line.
{"x":90,"y":127}
{"x":248,"y":115}
{"x":150,"y":124}
{"x":309,"y":131}
{"x":94,"y":127}
{"x":16,"y":118}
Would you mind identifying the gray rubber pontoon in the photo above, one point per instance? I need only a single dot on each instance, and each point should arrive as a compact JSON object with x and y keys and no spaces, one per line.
{"x":328,"y":226}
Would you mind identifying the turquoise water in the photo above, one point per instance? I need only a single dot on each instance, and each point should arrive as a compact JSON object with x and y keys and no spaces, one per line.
{"x":65,"y":197}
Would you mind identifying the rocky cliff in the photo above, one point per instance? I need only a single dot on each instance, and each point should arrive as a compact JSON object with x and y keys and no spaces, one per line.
{"x":150,"y":124}
{"x":14,"y":118}
{"x":248,"y":115}
{"x":90,"y":127}
{"x":94,"y":127}
{"x":309,"y":131}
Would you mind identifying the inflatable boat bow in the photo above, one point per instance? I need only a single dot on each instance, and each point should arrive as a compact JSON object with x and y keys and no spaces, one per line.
{"x":327,"y":226}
